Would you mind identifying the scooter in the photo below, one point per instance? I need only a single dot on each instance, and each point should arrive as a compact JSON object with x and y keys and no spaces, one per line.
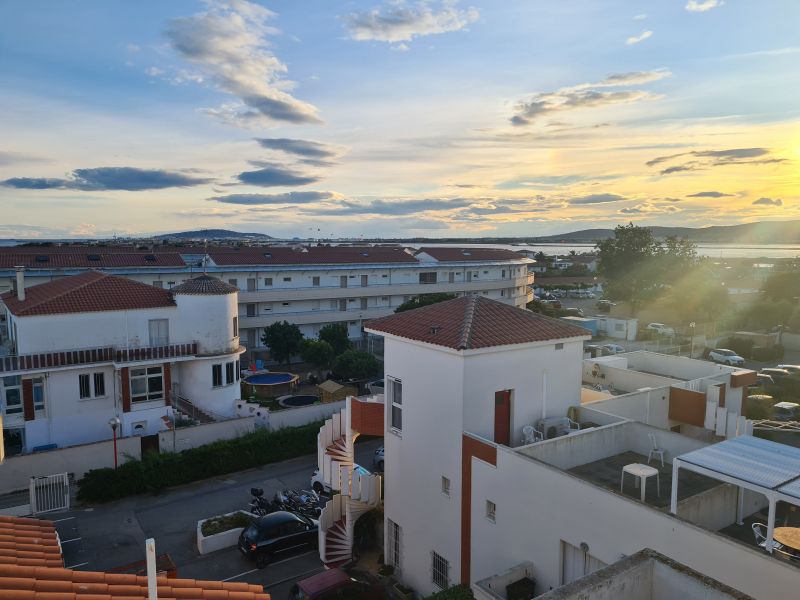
{"x":259,"y":505}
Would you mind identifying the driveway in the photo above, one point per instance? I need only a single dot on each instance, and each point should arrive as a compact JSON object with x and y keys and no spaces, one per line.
{"x":111,"y":535}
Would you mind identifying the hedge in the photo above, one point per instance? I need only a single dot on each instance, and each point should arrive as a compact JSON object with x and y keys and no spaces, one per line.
{"x":155,"y":472}
{"x":457,"y":592}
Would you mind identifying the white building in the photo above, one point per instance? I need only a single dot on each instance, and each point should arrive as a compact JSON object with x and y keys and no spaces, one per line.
{"x":83,"y":349}
{"x":310,"y":286}
{"x":496,"y":457}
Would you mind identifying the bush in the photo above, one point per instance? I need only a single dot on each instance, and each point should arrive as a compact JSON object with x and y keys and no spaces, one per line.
{"x":761,"y":354}
{"x":742,"y":346}
{"x":155,"y":472}
{"x":457,"y":592}
{"x":219,"y":524}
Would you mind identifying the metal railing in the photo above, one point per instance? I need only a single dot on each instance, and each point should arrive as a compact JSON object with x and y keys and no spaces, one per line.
{"x":50,"y":493}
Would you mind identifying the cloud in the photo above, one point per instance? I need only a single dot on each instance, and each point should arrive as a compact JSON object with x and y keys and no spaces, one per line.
{"x":597,"y":199}
{"x":228,"y":43}
{"x":586,"y":95}
{"x":84,"y":230}
{"x":635,"y":39}
{"x":705,"y":159}
{"x":308,"y":152}
{"x":391,"y":207}
{"x":285,"y":198}
{"x":400,"y":21}
{"x":109,"y":178}
{"x":647,"y":208}
{"x":768,"y":202}
{"x":708,"y":195}
{"x":640,"y":17}
{"x":702,"y":5}
{"x":10,"y":158}
{"x":275,"y":175}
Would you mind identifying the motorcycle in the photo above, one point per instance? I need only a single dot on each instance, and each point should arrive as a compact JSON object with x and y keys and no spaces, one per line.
{"x":259,"y":505}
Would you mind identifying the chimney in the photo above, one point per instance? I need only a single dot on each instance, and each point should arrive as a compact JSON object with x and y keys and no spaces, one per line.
{"x":20,"y":283}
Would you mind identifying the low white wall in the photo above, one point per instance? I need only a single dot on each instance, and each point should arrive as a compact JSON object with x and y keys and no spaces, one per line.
{"x":674,"y":444}
{"x":16,"y":471}
{"x":716,"y":508}
{"x":570,"y":451}
{"x":184,"y":438}
{"x":295,"y":417}
{"x":651,"y":407}
{"x":791,"y":341}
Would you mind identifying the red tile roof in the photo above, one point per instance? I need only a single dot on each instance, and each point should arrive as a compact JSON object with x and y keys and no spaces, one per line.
{"x":472,"y":322}
{"x":29,"y":542}
{"x":67,"y":257}
{"x":311,"y":255}
{"x":205,"y":285}
{"x":469,"y":254}
{"x":91,"y":291}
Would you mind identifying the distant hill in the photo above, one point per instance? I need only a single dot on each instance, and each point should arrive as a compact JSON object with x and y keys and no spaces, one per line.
{"x":764,"y":232}
{"x":212,"y":234}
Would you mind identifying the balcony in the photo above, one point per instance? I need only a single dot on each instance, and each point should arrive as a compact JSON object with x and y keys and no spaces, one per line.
{"x":41,"y":361}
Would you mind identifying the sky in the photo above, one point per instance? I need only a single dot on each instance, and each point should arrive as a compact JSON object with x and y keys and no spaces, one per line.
{"x":314,"y":118}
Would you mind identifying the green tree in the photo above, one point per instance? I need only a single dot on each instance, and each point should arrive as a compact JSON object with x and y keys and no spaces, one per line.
{"x":336,"y":335}
{"x":782,"y":286}
{"x":355,"y":364}
{"x":424,"y":300}
{"x":284,"y":341}
{"x":317,"y":353}
{"x":540,"y":257}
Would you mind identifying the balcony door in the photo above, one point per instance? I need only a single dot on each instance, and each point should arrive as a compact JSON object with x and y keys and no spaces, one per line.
{"x":502,"y":417}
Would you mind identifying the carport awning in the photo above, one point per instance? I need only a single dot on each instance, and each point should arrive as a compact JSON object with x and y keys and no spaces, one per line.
{"x":756,"y":464}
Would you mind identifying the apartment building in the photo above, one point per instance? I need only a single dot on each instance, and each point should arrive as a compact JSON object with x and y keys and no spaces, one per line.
{"x":84,"y":349}
{"x":510,"y":457}
{"x":310,"y":286}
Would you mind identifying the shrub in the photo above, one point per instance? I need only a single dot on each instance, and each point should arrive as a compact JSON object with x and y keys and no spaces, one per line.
{"x":457,"y":592}
{"x":742,"y":346}
{"x":762,"y":354}
{"x":155,"y":472}
{"x":216,"y":525}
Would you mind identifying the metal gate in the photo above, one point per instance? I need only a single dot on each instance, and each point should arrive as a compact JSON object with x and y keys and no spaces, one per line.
{"x":50,"y":493}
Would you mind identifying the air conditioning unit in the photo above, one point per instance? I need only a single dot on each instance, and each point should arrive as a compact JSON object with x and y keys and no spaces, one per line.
{"x":553,"y":427}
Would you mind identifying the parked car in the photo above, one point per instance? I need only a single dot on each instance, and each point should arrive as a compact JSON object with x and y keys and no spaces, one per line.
{"x":776,"y":374}
{"x":552,"y":303}
{"x":277,"y":533}
{"x":763,"y":379}
{"x":335,"y":584}
{"x":377,"y":460}
{"x":793,"y":369}
{"x":321,"y":487}
{"x":661,"y":329}
{"x":785,"y":411}
{"x":726,"y":357}
{"x":604,"y":305}
{"x":375,"y":387}
{"x":613,"y":348}
{"x":573,"y":311}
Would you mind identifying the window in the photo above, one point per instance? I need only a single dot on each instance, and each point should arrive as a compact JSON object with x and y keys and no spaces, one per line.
{"x":158,"y":284}
{"x":287,"y":278}
{"x":491,"y":510}
{"x":559,"y":346}
{"x":170,"y":284}
{"x":285,"y":303}
{"x":441,"y":571}
{"x":503,"y":273}
{"x":238,"y":367}
{"x":216,"y":375}
{"x":235,"y":326}
{"x":394,"y":535}
{"x":99,"y":385}
{"x":619,"y":327}
{"x":427,"y":277}
{"x":364,"y":280}
{"x":84,"y":386}
{"x":446,"y":486}
{"x":251,"y":284}
{"x":342,"y":304}
{"x":502,"y":293}
{"x":13,"y":394}
{"x":396,"y":399}
{"x":315,"y":281}
{"x":251,"y":310}
{"x":159,"y":332}
{"x":229,"y":377}
{"x":234,"y":282}
{"x":38,"y":393}
{"x":268,"y":281}
{"x":147,"y":384}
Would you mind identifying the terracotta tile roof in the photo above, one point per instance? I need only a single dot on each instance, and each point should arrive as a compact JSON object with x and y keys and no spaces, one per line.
{"x":472,"y":322}
{"x":469,"y":254}
{"x":312,"y":255}
{"x":29,"y":542}
{"x":204,"y":285}
{"x":65,"y":257}
{"x":91,"y":291}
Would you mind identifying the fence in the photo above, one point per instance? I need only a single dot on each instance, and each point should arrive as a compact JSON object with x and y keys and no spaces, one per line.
{"x":49,"y":493}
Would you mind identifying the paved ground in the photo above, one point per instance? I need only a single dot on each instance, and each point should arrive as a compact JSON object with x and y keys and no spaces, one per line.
{"x":112,"y":535}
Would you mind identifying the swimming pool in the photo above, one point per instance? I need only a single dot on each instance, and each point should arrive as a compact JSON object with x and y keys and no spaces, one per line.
{"x":299,"y":400}
{"x":270,"y":384}
{"x":270,"y":378}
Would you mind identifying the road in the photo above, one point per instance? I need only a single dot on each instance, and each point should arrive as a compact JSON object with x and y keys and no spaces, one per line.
{"x":110,"y":535}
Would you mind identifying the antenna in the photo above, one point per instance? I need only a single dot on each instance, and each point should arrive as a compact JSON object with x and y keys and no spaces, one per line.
{"x":205,"y":255}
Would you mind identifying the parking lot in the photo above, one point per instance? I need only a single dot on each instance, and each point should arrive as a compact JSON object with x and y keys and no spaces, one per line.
{"x":103,"y":537}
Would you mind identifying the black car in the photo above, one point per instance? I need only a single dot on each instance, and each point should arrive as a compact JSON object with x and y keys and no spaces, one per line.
{"x":277,"y":533}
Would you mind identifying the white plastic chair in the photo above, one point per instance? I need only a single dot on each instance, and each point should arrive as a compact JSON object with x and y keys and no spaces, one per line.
{"x":655,"y":450}
{"x":760,"y":531}
{"x":528,"y":434}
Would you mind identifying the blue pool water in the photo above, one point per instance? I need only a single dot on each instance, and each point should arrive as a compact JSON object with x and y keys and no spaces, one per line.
{"x":270,"y":378}
{"x":300,"y":400}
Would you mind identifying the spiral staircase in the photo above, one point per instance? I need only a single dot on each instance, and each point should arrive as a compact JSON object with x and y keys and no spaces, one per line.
{"x":358,"y":493}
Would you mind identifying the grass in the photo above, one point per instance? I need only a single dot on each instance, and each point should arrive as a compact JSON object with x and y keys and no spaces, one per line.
{"x":216,"y":525}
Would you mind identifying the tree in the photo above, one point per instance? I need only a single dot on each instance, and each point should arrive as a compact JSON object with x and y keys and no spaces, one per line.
{"x":284,"y":341}
{"x":336,"y":335}
{"x":424,"y":300}
{"x":318,"y":353}
{"x":782,"y":286}
{"x":355,"y":364}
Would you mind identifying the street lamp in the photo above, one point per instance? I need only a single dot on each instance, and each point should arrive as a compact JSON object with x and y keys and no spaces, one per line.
{"x":114,"y":422}
{"x":691,"y":352}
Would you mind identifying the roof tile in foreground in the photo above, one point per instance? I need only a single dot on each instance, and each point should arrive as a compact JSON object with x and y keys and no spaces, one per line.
{"x":445,"y":254}
{"x":91,"y":291}
{"x":473,"y":322}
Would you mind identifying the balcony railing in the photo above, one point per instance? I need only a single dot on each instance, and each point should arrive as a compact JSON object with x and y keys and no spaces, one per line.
{"x":89,"y":356}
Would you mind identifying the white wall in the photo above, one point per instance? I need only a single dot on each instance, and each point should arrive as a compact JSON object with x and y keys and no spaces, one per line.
{"x":16,"y":471}
{"x":650,"y":407}
{"x":295,"y":417}
{"x":195,"y":385}
{"x":184,"y":438}
{"x":538,"y":506}
{"x":209,"y":320}
{"x":428,"y":448}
